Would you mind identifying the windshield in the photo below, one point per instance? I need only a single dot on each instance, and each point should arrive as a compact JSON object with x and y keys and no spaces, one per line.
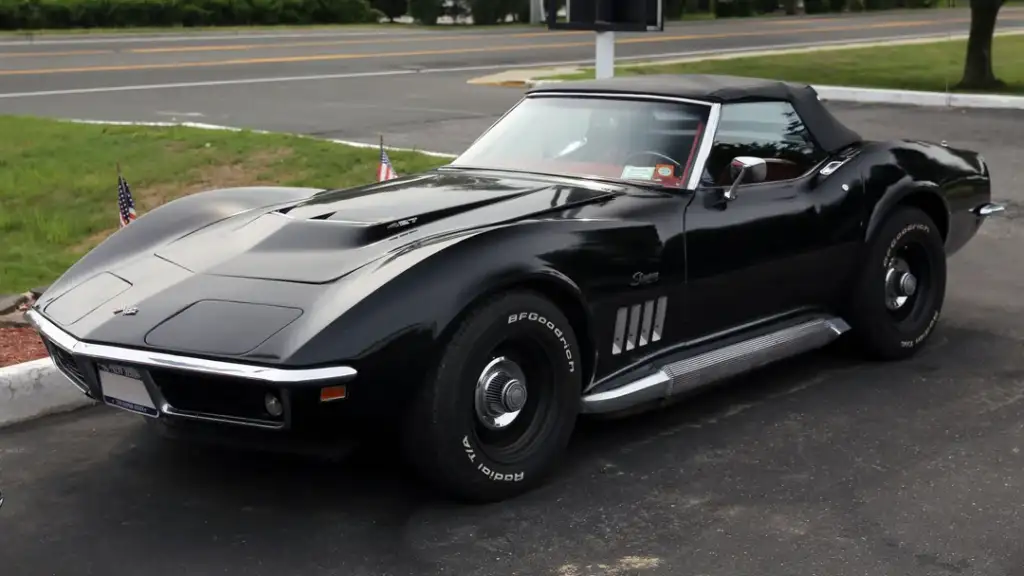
{"x":621,"y":139}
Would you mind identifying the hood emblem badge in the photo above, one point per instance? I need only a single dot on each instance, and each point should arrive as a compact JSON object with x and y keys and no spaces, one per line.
{"x":127,"y":311}
{"x":402,"y":223}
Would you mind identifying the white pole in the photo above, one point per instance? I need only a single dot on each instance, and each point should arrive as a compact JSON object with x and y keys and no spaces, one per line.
{"x":604,"y":61}
{"x":536,"y":10}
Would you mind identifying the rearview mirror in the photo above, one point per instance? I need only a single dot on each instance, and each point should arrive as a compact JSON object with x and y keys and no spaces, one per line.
{"x":745,"y":170}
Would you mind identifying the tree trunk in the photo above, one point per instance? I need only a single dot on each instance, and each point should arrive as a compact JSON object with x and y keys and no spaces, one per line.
{"x":978,"y":72}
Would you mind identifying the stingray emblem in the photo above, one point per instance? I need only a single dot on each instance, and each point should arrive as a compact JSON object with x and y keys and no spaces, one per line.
{"x":640,"y":278}
{"x":127,"y":311}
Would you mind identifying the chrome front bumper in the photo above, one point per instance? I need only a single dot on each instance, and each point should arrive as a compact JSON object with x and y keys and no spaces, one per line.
{"x":77,"y":361}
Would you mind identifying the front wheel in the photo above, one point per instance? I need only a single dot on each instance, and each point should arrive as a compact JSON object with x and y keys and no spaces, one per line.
{"x":494,"y":417}
{"x":899,"y":294}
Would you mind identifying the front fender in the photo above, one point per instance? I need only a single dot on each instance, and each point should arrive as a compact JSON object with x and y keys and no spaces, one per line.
{"x":168,"y":221}
{"x":390,"y":319}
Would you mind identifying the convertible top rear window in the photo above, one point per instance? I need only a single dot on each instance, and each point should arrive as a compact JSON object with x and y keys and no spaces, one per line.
{"x":617,"y":138}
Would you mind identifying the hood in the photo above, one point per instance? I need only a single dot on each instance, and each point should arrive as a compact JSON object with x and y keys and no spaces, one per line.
{"x":331,"y":234}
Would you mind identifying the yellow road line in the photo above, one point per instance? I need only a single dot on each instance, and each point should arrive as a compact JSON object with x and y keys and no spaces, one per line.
{"x":344,"y":42}
{"x":307,"y":44}
{"x":66,"y":53}
{"x":461,"y":50}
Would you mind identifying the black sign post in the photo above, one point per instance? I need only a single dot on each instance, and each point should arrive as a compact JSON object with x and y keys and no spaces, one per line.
{"x":605,"y":18}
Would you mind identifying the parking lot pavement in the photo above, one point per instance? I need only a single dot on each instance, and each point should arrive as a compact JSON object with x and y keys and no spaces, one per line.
{"x":821,"y":465}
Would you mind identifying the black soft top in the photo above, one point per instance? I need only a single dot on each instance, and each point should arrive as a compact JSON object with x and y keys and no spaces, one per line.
{"x":826,"y":129}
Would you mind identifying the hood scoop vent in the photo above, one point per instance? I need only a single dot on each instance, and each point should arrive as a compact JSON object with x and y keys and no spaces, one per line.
{"x":372,"y":223}
{"x":333,"y":233}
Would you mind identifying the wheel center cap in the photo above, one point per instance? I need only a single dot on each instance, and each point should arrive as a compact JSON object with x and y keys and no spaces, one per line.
{"x":500,"y":393}
{"x":908,"y":284}
{"x":513,"y":396}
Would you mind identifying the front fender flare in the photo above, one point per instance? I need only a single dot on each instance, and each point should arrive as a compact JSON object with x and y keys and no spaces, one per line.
{"x":550,"y":283}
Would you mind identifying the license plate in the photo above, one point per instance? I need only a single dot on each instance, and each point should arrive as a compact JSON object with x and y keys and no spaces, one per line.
{"x":123,"y":388}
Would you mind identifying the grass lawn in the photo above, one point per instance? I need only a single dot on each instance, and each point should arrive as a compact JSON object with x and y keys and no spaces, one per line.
{"x":928,"y":66}
{"x":58,"y":180}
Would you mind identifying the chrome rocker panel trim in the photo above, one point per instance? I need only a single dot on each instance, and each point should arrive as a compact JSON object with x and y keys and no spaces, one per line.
{"x":178,"y":362}
{"x":715,"y":365}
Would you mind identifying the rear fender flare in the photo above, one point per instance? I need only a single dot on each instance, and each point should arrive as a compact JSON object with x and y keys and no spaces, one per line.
{"x":925,"y":195}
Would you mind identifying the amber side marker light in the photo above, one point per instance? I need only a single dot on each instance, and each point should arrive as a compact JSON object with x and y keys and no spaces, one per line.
{"x":333,"y":393}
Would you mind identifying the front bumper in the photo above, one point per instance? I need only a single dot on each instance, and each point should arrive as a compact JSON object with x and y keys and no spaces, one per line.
{"x":215,"y":393}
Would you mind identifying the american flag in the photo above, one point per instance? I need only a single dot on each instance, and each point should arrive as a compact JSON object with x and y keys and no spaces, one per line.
{"x":385,"y":171}
{"x":125,"y":204}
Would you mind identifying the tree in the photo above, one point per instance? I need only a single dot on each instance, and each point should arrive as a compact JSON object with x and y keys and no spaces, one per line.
{"x":978,"y":72}
{"x":391,"y":8}
{"x":425,"y":11}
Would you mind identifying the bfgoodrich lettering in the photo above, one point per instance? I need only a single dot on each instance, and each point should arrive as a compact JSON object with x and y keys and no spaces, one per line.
{"x":534,"y":317}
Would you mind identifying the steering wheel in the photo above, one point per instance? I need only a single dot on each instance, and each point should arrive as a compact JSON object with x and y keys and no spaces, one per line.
{"x":653,"y":153}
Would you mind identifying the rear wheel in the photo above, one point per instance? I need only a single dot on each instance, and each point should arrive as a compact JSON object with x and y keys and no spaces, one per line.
{"x":902,"y":284}
{"x":497,"y":412}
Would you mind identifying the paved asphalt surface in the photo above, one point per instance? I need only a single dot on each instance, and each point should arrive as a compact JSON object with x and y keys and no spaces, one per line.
{"x":358,"y":84}
{"x":819,"y":466}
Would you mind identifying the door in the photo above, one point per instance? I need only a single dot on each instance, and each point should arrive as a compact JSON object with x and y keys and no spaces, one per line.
{"x":779,"y":245}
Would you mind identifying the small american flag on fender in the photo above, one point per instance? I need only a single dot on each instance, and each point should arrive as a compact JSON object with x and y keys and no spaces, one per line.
{"x":385,"y":171}
{"x":125,"y":204}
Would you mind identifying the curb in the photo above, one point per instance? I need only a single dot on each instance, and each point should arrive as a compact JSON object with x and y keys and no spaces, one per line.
{"x":897,"y":97}
{"x":203,"y":126}
{"x":829,"y":93}
{"x":34,"y":389}
{"x":919,"y":98}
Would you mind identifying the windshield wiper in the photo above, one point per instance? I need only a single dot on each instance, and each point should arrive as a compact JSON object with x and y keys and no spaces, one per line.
{"x":601,"y":179}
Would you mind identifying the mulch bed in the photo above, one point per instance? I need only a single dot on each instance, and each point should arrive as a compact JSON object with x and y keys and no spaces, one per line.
{"x":19,"y":345}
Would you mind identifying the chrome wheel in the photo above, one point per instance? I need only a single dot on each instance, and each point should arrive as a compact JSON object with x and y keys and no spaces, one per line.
{"x":495,"y":415}
{"x":897,"y":299}
{"x":513,"y":398}
{"x":907,"y":282}
{"x":500,"y":393}
{"x":900,"y":284}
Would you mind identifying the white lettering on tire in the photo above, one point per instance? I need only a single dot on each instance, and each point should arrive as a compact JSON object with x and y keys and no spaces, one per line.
{"x":535,"y":317}
{"x":892,"y":245}
{"x":485,"y":470}
{"x":927,"y":331}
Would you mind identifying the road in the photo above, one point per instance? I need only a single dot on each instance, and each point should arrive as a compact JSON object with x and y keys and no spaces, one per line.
{"x":358,"y":84}
{"x":822,"y":465}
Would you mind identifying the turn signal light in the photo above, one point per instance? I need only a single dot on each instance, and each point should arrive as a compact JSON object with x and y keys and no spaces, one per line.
{"x":333,"y":393}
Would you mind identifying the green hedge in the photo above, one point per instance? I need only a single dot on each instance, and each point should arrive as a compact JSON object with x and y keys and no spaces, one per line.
{"x":35,"y":14}
{"x":734,"y":8}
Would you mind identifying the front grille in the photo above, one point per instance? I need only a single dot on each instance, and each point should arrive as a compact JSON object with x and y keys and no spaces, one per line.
{"x":65,"y":362}
{"x":215,"y":396}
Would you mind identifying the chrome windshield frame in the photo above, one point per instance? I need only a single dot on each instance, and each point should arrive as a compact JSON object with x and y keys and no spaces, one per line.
{"x":703,"y":150}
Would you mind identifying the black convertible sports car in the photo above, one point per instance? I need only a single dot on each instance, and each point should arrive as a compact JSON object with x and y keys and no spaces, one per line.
{"x":604,"y":247}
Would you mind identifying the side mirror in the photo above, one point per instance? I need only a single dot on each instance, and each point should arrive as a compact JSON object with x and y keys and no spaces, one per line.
{"x":745,"y":170}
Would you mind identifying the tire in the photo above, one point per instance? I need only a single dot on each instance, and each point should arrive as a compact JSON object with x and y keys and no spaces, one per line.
{"x":908,"y":239}
{"x":446,"y":438}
